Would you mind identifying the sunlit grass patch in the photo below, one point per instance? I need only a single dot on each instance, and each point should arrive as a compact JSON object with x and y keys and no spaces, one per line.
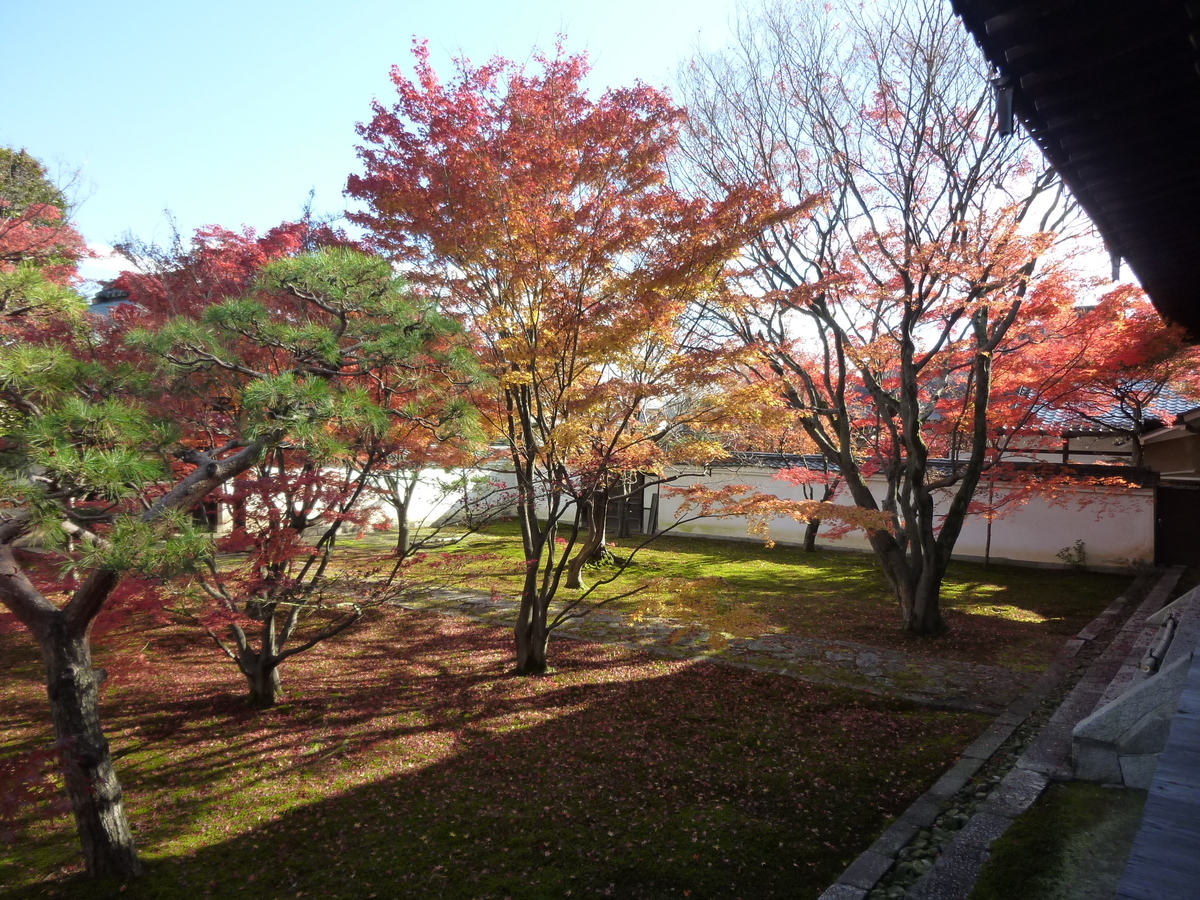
{"x":703,"y":603}
{"x":1003,"y":611}
{"x":1005,"y":615}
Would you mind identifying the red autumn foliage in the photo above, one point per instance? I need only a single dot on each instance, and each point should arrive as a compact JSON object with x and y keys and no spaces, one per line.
{"x":216,"y":264}
{"x":35,"y":230}
{"x":547,"y":221}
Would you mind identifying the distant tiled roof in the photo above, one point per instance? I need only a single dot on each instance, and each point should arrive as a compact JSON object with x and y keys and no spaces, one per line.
{"x":107,"y":300}
{"x":1137,"y":476}
{"x":1164,"y":408}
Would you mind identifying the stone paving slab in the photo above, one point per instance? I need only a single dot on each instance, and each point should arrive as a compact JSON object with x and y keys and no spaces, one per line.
{"x":843,"y":892}
{"x":958,"y":867}
{"x":989,"y":742}
{"x":1015,"y":794}
{"x":922,"y":812}
{"x":897,"y":835}
{"x":956,"y":777}
{"x":866,"y":870}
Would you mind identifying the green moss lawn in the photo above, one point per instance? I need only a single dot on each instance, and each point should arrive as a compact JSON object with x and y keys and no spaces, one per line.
{"x":407,"y":762}
{"x":1001,"y":615}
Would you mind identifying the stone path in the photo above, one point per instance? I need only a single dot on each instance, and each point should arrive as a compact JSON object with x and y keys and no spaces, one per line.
{"x":938,"y":682}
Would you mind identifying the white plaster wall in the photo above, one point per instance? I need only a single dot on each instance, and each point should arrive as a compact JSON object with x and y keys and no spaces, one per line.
{"x":431,"y":503}
{"x":1116,"y":525}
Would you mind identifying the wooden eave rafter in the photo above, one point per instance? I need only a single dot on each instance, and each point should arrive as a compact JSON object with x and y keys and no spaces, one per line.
{"x":1110,"y":92}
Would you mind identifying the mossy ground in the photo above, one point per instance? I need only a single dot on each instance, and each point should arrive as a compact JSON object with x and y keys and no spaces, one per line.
{"x":408,"y":762}
{"x":1071,"y":845}
{"x":998,"y":615}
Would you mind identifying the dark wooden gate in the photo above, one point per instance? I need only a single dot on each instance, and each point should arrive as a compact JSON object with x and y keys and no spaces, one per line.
{"x":1177,"y":526}
{"x":625,"y":513}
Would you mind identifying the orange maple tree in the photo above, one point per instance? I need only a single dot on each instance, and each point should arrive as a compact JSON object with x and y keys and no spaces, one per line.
{"x":1133,"y":367}
{"x":546,"y":220}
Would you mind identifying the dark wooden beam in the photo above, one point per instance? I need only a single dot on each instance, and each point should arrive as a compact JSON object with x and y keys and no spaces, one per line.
{"x":1024,"y":14}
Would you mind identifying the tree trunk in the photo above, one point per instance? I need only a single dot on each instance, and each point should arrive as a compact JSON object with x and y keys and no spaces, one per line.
{"x":91,"y":783}
{"x":925,"y":615}
{"x":532,"y":638}
{"x":592,"y":549}
{"x":810,"y":535}
{"x":918,"y":594}
{"x":987,"y":547}
{"x":265,"y":686}
{"x":1135,"y":448}
{"x":532,"y":635}
{"x":401,"y":494}
{"x":263,"y":671}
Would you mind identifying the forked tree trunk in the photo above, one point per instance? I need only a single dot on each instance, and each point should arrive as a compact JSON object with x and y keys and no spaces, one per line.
{"x":920,"y":611}
{"x":925,"y":616}
{"x":532,"y":638}
{"x":261,"y":667}
{"x":402,"y":538}
{"x":593,"y":548}
{"x":265,"y":686}
{"x":91,"y":783}
{"x":919,"y":603}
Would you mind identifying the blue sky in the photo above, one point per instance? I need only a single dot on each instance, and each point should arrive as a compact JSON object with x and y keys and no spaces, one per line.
{"x":230,"y":112}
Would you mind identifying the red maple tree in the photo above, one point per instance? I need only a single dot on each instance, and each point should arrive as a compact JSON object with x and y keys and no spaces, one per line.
{"x":546,"y":220}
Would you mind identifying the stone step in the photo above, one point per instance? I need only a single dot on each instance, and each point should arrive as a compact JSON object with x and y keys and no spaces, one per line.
{"x":1120,"y":741}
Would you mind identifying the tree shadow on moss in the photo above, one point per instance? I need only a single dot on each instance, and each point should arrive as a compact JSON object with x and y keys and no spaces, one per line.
{"x":619,"y":777}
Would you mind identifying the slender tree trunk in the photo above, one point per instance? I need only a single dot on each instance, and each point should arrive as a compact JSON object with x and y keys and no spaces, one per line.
{"x":532,"y":635}
{"x":532,"y":638}
{"x":987,"y":546}
{"x":1135,"y":448}
{"x":401,"y":496}
{"x":91,"y":783}
{"x":592,"y":549}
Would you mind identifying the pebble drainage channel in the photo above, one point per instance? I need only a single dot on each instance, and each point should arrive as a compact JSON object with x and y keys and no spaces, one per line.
{"x":935,"y":849}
